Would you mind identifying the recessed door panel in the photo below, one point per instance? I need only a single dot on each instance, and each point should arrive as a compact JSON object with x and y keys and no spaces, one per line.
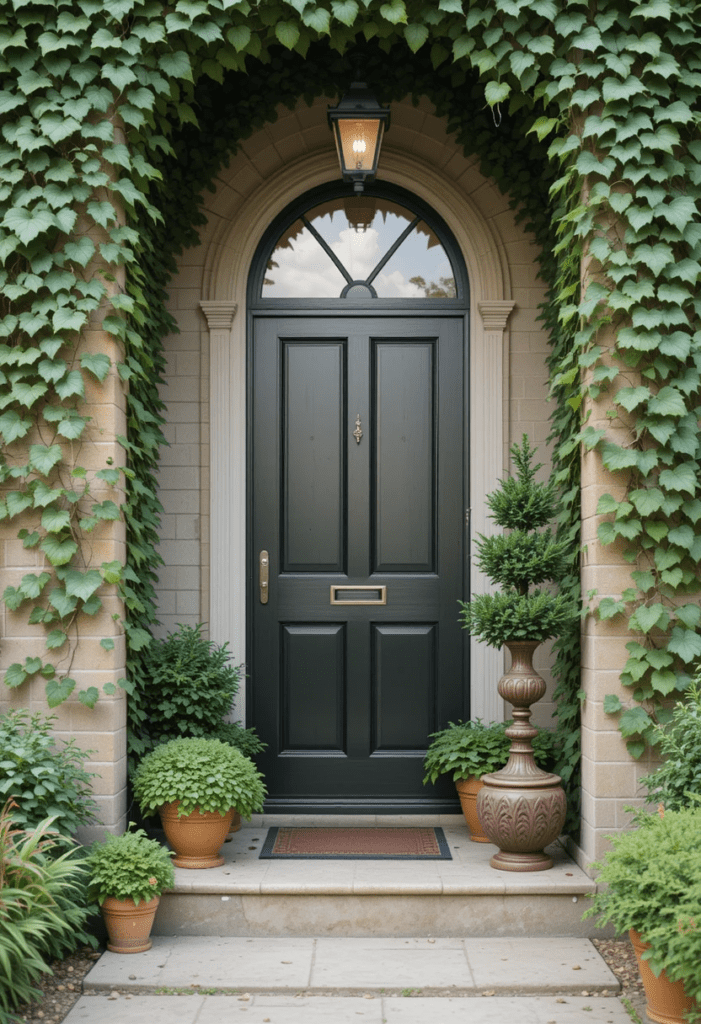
{"x":313,"y":688}
{"x":404,"y":675}
{"x":404,"y":470}
{"x":313,"y":455}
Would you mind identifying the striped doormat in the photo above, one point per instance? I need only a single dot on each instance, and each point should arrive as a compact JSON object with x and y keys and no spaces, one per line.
{"x":355,"y":843}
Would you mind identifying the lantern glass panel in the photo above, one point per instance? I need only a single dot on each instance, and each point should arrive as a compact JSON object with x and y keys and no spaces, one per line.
{"x":359,"y":143}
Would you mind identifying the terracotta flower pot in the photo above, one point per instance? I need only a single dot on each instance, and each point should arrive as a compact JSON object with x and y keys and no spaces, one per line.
{"x":667,"y":1002}
{"x":196,"y":838}
{"x":129,"y":924}
{"x":467,"y":791}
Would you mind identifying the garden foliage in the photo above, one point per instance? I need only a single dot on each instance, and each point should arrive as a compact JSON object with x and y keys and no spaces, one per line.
{"x":187,"y":688}
{"x":43,"y":910}
{"x":207,"y":774}
{"x":651,"y":881}
{"x":679,"y":775}
{"x":584,"y":114}
{"x":45,"y":777}
{"x":130,"y":866}
{"x":472,"y":749}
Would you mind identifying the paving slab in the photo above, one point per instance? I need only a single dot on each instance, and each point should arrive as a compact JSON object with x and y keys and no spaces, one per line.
{"x":346,"y":965}
{"x":267,"y":1009}
{"x":527,"y":965}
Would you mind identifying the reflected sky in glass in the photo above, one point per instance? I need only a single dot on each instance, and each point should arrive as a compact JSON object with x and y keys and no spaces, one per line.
{"x":301,"y":268}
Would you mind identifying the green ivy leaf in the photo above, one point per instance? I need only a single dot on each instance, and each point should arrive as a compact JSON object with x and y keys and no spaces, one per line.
{"x":43,"y":458}
{"x":107,"y":643}
{"x":612,"y":704}
{"x":58,"y":552}
{"x":682,"y":478}
{"x":89,"y":697}
{"x":59,"y":690}
{"x":686,"y":644}
{"x":15,"y":676}
{"x":82,"y":585}
{"x":56,"y":639}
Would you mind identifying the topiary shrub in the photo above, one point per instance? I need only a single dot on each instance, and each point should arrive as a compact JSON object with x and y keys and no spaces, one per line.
{"x":186,"y":687}
{"x":44,"y":777}
{"x":525,"y":557}
{"x":207,"y":774}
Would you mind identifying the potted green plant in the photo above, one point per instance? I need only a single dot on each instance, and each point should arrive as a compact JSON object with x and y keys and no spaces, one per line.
{"x":521,"y":808}
{"x":127,"y":875}
{"x":650,"y":885}
{"x":469,"y":750}
{"x":197,"y":785}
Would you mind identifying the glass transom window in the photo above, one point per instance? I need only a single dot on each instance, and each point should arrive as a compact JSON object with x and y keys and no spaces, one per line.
{"x":359,"y":247}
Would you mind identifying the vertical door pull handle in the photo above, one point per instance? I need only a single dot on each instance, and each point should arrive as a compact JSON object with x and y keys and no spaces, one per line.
{"x":263,"y":575}
{"x":358,"y":432}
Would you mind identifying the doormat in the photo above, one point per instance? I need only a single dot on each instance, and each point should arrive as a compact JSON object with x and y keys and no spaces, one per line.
{"x":355,"y":843}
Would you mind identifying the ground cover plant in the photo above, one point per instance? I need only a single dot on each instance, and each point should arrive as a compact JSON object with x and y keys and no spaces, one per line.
{"x":43,"y":909}
{"x":593,"y":103}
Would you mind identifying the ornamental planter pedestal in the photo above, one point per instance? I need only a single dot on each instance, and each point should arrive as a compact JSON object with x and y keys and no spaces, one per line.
{"x":468,"y":790}
{"x":667,"y":1002}
{"x":521,"y":808}
{"x":196,"y":838}
{"x":129,"y":924}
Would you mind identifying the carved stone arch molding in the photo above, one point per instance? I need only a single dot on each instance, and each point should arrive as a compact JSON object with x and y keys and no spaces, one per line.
{"x":230,"y":241}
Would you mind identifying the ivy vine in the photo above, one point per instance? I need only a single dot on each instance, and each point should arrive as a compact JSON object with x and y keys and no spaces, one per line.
{"x":586,"y":115}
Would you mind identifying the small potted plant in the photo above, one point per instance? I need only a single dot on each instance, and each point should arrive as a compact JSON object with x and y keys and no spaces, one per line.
{"x":521,"y":808}
{"x":469,"y":750}
{"x":197,"y":785}
{"x":127,"y":875}
{"x":650,"y":886}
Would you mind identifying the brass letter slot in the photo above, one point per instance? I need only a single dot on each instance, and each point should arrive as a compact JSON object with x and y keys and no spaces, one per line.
{"x":341,"y":594}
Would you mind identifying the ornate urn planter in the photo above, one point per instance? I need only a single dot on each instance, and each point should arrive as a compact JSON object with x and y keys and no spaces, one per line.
{"x":522,"y":808}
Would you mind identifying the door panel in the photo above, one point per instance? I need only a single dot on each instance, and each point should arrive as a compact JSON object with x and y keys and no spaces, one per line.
{"x":345,"y":694}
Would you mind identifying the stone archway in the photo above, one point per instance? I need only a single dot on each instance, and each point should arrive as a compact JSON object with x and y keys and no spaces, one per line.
{"x":277,"y":164}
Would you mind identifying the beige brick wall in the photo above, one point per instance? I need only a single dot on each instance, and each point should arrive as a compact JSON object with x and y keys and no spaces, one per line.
{"x":103,"y":729}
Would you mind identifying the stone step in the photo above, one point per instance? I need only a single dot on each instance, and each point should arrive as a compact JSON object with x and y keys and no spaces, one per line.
{"x":464,"y":896}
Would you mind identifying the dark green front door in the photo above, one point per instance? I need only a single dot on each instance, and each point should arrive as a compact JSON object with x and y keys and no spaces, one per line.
{"x":357,"y":467}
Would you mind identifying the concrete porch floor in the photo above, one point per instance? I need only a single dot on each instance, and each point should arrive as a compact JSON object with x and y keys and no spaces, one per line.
{"x":353,"y":898}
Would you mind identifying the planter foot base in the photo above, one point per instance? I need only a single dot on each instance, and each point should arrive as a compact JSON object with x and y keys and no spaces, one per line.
{"x":532,"y":861}
{"x":197,"y":862}
{"x":140,"y":948}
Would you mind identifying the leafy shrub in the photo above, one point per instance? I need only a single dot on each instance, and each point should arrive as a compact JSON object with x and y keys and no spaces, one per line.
{"x":187,"y":688}
{"x":130,"y":866}
{"x":47,"y":779}
{"x":651,"y":881}
{"x":680,"y":746}
{"x":467,"y":749}
{"x":43,"y":910}
{"x":528,"y":555}
{"x":200,"y":773}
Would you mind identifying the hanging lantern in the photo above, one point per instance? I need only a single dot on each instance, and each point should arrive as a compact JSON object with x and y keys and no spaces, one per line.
{"x":358,"y":124}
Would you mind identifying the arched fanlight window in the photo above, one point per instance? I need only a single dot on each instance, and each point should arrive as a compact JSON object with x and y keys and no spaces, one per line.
{"x":382,"y":244}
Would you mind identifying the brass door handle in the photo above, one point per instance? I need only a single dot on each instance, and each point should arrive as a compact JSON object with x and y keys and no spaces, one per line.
{"x":263,"y":575}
